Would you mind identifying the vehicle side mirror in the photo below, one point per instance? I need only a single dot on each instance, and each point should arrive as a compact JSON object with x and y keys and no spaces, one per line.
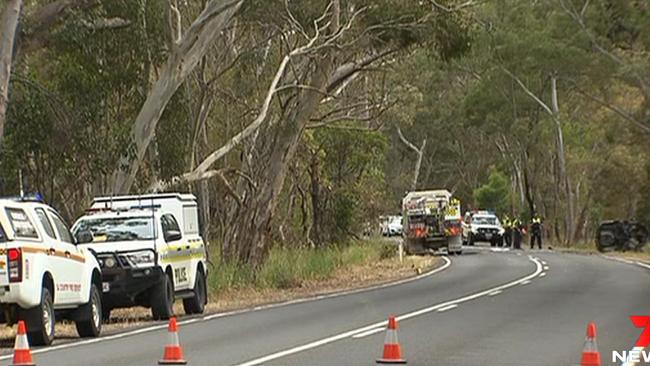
{"x":173,"y":235}
{"x":84,"y":237}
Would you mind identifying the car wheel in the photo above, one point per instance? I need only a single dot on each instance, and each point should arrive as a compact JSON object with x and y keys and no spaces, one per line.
{"x":162,"y":299}
{"x":40,"y":320}
{"x":196,"y":303}
{"x":91,"y":315}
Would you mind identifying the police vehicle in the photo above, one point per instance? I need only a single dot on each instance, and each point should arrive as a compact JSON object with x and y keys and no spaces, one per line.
{"x":44,"y":275}
{"x":482,"y":226}
{"x":150,"y":251}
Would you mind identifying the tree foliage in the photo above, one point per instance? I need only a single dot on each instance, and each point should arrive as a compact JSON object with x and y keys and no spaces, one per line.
{"x":524,"y":106}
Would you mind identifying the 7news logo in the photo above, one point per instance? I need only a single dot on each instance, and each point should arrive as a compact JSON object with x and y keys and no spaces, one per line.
{"x":639,"y":352}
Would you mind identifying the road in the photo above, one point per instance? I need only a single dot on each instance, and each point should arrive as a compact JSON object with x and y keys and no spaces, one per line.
{"x":489,"y":309}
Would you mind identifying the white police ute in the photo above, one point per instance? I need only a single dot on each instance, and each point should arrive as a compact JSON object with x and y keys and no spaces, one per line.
{"x":150,"y":251}
{"x":44,"y":274}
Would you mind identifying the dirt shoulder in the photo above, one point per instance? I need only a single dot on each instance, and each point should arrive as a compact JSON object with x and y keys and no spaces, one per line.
{"x":354,"y":277}
{"x":635,"y":256}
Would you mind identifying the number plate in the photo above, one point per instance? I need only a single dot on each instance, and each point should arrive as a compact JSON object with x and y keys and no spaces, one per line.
{"x":106,"y":287}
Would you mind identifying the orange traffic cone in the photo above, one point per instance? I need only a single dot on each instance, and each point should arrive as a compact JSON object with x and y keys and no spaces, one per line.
{"x":22,"y":353}
{"x":173,"y":351}
{"x":590,"y":355}
{"x":392,"y":350}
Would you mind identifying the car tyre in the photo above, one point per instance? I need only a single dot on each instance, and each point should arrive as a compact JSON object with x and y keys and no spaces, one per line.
{"x":196,"y":303}
{"x":91,"y":315}
{"x":162,"y":299}
{"x":40,"y":320}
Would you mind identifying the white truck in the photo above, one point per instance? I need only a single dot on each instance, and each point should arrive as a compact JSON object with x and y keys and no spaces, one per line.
{"x":432,"y":221}
{"x":150,"y":251}
{"x":44,"y":275}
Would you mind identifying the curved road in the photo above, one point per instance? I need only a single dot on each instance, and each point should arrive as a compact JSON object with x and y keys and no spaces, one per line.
{"x":506,"y":308}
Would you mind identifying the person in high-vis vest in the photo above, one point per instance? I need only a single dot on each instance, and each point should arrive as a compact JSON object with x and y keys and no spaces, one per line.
{"x":507,"y":232}
{"x":536,"y":232}
{"x":517,"y":233}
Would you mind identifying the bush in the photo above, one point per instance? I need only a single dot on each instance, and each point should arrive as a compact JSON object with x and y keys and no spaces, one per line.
{"x":289,"y":267}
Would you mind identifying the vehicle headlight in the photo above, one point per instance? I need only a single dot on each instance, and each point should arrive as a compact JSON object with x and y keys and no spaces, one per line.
{"x":140,"y":259}
{"x":109,"y":262}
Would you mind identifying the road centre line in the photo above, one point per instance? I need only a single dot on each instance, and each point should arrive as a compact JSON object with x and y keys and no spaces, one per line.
{"x":368,"y":333}
{"x":441,"y":310}
{"x":233,"y":313}
{"x":334,"y":338}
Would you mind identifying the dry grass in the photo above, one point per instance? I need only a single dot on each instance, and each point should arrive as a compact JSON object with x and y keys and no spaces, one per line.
{"x":346,"y":278}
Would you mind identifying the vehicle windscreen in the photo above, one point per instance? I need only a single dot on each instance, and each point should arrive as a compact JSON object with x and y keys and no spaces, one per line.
{"x":485,"y":221}
{"x":117,"y":228}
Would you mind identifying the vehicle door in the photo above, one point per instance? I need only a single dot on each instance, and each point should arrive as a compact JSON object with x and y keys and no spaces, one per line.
{"x":71,"y":261}
{"x":178,"y":251}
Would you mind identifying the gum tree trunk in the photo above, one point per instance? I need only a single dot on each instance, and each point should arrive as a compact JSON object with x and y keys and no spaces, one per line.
{"x":8,"y":25}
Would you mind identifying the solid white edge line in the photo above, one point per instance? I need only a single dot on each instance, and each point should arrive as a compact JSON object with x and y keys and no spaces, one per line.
{"x":237,"y":312}
{"x":334,"y":338}
{"x":642,"y":264}
{"x":638,"y":263}
{"x":441,"y":310}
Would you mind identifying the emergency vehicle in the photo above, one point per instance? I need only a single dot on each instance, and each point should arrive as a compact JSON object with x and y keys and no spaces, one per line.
{"x":150,"y":251}
{"x":482,"y":226}
{"x":44,"y":275}
{"x":432,"y":222}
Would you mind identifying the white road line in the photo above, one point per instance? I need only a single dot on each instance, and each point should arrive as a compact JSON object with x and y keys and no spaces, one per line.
{"x":334,"y":338}
{"x":542,"y":274}
{"x":495,"y":293}
{"x":442,"y":310}
{"x":544,"y":263}
{"x":646,"y":265}
{"x":546,"y":268}
{"x":235,"y":312}
{"x":368,"y":333}
{"x":524,"y":282}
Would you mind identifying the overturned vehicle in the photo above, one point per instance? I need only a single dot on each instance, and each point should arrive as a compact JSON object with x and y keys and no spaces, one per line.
{"x":621,"y":236}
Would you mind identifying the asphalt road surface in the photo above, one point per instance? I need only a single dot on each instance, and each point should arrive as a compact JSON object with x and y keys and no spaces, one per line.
{"x":486,"y":308}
